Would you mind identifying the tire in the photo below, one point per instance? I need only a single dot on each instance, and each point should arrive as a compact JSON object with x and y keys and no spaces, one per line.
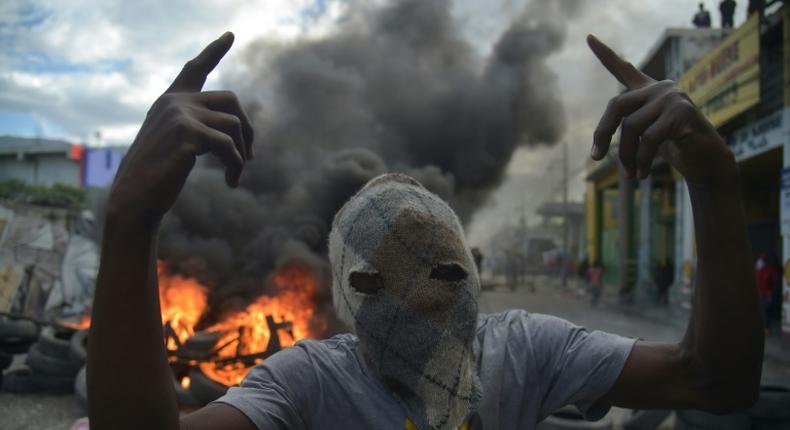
{"x":81,"y":388}
{"x":53,"y":384}
{"x":18,"y":382}
{"x":204,"y":389}
{"x":15,"y":346}
{"x":773,"y":404}
{"x":44,"y":364}
{"x":24,"y":381}
{"x":569,"y":418}
{"x":5,"y":360}
{"x":78,"y":346}
{"x":55,"y":343}
{"x":18,"y":330}
{"x":690,"y":419}
{"x":199,"y":346}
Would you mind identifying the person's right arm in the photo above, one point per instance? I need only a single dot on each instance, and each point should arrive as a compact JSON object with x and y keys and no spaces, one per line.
{"x":130,"y":384}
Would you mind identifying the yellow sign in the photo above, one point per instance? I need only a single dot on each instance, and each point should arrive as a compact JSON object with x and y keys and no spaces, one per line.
{"x":726,"y":81}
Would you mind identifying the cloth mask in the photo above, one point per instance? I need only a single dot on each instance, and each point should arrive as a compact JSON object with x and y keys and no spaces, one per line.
{"x":405,"y":282}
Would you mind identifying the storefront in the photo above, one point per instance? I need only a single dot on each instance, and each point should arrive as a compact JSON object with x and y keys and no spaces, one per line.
{"x":742,"y":87}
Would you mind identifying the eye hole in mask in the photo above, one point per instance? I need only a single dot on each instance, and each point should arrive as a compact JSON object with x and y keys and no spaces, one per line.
{"x":366,"y":283}
{"x":449,"y":272}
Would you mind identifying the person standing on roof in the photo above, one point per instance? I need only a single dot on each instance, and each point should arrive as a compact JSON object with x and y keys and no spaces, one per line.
{"x":702,"y":17}
{"x":727,"y":9}
{"x":755,"y":6}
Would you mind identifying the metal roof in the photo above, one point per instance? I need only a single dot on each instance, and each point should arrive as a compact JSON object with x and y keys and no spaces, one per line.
{"x":15,"y":145}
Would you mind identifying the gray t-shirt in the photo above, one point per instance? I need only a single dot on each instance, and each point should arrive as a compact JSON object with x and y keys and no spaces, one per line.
{"x":530,"y":365}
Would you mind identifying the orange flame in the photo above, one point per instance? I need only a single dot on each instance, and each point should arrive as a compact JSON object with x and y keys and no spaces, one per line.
{"x":182,"y":301}
{"x":247,"y":332}
{"x":85,"y":322}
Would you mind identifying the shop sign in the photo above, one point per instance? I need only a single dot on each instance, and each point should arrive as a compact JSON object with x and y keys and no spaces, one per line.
{"x":767,"y":133}
{"x":726,"y":81}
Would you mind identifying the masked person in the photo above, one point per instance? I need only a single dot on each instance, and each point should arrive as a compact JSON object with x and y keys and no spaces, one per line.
{"x":419,"y":355}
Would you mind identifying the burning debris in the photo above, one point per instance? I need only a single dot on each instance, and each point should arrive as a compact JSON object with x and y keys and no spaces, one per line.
{"x":225,"y":351}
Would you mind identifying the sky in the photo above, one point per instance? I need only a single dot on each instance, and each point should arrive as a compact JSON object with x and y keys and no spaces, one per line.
{"x":87,"y":70}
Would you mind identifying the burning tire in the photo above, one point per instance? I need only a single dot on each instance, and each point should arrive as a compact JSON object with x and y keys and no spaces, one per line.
{"x":45,"y":364}
{"x":200,"y":345}
{"x":25,"y":381}
{"x":78,"y":346}
{"x":204,"y":389}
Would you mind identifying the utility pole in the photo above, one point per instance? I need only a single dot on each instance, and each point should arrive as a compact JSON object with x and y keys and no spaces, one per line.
{"x":565,"y":214}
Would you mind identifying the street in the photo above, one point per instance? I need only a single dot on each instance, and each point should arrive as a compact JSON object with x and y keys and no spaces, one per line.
{"x":58,"y":412}
{"x":655,"y":324}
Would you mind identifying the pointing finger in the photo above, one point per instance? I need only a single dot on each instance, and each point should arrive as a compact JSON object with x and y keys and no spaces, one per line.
{"x":624,"y":71}
{"x":195,"y":71}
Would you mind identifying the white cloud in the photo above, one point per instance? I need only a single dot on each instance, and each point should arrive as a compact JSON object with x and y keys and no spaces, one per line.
{"x":89,"y":65}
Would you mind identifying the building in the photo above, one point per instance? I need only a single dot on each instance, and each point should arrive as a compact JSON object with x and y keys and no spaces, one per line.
{"x":565,"y":221}
{"x":742,"y":87}
{"x":41,"y":161}
{"x":630,"y":226}
{"x":47,"y":161}
{"x":100,"y":165}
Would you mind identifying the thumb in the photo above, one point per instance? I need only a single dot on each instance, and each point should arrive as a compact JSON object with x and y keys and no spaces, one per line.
{"x":195,"y":71}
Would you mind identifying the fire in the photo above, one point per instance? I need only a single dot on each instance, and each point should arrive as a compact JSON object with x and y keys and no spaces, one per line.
{"x":182,"y":301}
{"x":248,"y":333}
{"x":84,"y":322}
{"x":246,"y":336}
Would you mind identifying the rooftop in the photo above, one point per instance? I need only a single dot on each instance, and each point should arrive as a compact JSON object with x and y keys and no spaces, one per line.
{"x":15,"y":145}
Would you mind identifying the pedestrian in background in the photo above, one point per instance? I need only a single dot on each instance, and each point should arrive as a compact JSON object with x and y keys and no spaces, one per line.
{"x":584,"y":264}
{"x":664,"y":277}
{"x":595,"y":281}
{"x":767,"y":278}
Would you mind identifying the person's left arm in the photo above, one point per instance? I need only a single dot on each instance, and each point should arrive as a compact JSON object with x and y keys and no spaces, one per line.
{"x":717,"y":365}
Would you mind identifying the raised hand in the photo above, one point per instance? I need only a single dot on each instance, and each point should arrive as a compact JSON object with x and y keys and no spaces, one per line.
{"x":658,"y":116}
{"x":183,"y":123}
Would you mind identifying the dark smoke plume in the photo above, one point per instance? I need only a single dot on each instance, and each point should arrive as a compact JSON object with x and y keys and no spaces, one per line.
{"x":395,"y":89}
